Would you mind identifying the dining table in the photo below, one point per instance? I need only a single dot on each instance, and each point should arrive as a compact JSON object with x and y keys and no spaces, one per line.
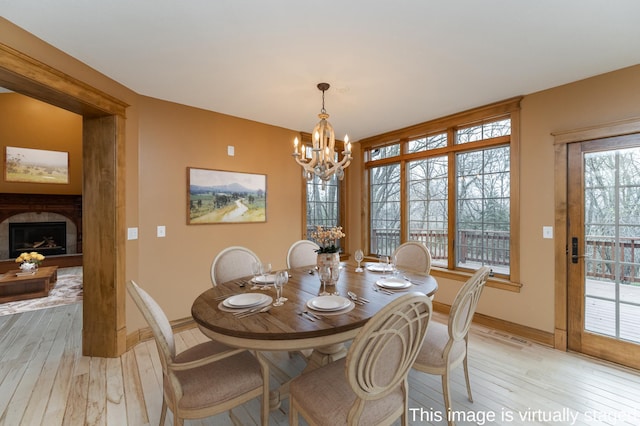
{"x":305,"y":320}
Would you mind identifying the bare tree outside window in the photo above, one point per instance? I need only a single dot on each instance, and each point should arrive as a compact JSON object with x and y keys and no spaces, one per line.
{"x":385,"y":209}
{"x":466,"y":167}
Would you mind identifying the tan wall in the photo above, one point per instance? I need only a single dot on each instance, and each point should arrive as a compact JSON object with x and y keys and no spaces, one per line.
{"x":29,"y":123}
{"x":163,"y":139}
{"x":598,"y":100}
{"x":174,"y":137}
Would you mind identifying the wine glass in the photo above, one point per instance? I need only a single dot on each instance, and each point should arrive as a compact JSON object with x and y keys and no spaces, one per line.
{"x":359,"y":256}
{"x":384,"y":263}
{"x":256,"y":268}
{"x":325,"y":275}
{"x":281,"y":278}
{"x":265,"y":270}
{"x":335,"y":275}
{"x":393,"y":260}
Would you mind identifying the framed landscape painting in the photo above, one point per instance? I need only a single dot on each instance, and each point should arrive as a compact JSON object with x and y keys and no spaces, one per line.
{"x":36,"y":165}
{"x":217,"y":196}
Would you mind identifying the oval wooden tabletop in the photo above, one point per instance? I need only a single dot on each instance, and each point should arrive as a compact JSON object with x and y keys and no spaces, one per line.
{"x":284,"y":323}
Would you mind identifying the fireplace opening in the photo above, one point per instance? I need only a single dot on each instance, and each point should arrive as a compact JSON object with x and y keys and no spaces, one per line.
{"x":47,"y":238}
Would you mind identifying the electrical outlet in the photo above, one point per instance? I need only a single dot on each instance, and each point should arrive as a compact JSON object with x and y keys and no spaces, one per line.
{"x":162,"y":231}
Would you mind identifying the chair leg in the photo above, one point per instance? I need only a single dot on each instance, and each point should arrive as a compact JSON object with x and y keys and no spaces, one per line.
{"x":163,"y":413}
{"x":293,"y":412}
{"x":466,"y":377}
{"x":447,"y":397}
{"x":177,"y":421}
{"x":265,"y":400}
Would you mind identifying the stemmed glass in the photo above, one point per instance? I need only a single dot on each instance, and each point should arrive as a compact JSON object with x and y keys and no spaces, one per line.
{"x":394,"y":264}
{"x":384,"y":263}
{"x":335,"y":275}
{"x":256,"y":268}
{"x":281,"y":278}
{"x":325,"y":275}
{"x":265,"y":270}
{"x":359,"y":256}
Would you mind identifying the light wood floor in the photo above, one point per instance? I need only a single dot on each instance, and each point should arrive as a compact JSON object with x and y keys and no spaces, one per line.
{"x":44,"y":380}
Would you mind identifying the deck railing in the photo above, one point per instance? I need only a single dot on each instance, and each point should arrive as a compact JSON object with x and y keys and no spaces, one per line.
{"x":492,"y":248}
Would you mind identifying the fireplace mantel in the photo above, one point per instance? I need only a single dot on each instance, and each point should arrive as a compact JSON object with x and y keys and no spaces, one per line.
{"x":66,"y":205}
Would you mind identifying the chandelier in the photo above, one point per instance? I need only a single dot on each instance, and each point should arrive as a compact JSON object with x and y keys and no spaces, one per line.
{"x":323,"y":161}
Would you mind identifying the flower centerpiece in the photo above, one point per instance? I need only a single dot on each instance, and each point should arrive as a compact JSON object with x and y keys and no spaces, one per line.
{"x":29,"y":261}
{"x":328,"y":251}
{"x":327,"y":239}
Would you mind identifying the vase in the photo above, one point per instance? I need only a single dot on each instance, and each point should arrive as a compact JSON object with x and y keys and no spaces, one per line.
{"x":28,"y":267}
{"x":332,"y":260}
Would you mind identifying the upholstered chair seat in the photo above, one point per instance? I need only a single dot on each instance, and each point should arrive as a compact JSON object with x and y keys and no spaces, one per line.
{"x":206,"y":379}
{"x":369,"y":386}
{"x":446,"y":346}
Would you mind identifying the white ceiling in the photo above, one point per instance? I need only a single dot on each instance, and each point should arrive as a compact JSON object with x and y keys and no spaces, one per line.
{"x":390,"y":63}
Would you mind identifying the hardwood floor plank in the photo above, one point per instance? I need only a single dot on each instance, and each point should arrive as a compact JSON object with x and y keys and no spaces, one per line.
{"x":44,"y":385}
{"x":116,"y":404}
{"x":27,"y":367}
{"x":136,"y":409}
{"x":97,"y":400}
{"x":44,"y":379}
{"x":64,"y":376}
{"x":150,"y":381}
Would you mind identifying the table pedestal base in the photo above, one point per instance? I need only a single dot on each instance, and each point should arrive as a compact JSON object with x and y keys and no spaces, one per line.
{"x":324,"y":355}
{"x":320,"y":356}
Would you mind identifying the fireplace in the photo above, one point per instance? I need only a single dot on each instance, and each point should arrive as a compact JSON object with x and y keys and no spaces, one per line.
{"x":47,"y":238}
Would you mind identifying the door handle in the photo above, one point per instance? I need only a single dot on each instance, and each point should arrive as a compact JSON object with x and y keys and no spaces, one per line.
{"x":574,"y":251}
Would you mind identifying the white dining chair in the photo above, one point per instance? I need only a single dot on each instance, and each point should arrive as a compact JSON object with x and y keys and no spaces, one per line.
{"x":413,"y":256}
{"x":369,"y":386}
{"x":302,"y":253}
{"x":446,"y":346}
{"x":232,"y":263}
{"x":206,"y":379}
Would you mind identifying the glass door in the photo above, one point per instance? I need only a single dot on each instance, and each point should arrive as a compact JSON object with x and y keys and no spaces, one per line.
{"x":604,"y":249}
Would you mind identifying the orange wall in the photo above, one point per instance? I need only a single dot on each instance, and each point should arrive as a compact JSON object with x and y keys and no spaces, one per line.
{"x":598,"y":100}
{"x":29,"y":123}
{"x":163,"y":139}
{"x":174,"y":137}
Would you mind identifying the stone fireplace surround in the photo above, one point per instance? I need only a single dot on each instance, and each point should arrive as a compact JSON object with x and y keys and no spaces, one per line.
{"x":41,"y":208}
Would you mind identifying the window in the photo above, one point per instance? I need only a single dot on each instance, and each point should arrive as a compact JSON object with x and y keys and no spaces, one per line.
{"x":449,"y":187}
{"x":428,"y":199}
{"x":385,"y":209}
{"x":323,"y":201}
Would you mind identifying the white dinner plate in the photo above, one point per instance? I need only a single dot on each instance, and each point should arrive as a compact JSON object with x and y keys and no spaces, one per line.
{"x":264,"y":279}
{"x":328,"y":303}
{"x":393,"y":283}
{"x":379,"y":267}
{"x":245,"y":300}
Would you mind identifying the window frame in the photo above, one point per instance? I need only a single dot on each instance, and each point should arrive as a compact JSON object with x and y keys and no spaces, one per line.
{"x":509,"y":108}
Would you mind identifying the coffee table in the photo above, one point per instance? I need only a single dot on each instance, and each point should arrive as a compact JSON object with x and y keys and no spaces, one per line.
{"x":20,"y":287}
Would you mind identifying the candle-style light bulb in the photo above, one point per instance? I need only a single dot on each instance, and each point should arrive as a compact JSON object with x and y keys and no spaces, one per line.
{"x":295,"y":146}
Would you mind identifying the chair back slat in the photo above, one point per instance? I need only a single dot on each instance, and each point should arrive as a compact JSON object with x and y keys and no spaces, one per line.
{"x":382,"y":353}
{"x":465,"y":304}
{"x":157,"y":320}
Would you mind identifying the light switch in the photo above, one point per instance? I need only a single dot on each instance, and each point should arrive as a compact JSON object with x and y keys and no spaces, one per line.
{"x":162,"y":231}
{"x":132,"y":233}
{"x":547,"y":232}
